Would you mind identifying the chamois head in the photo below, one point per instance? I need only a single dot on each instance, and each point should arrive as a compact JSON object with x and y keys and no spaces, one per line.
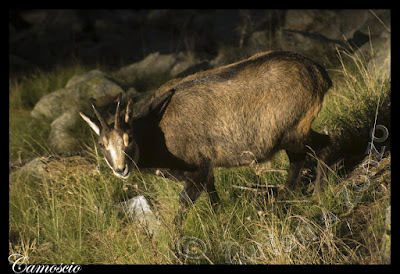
{"x":117,"y":145}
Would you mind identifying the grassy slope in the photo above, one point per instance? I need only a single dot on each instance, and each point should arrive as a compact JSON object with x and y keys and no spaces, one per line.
{"x":67,"y":213}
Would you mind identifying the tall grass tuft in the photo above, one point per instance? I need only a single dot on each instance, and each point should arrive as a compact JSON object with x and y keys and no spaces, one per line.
{"x":359,"y":99}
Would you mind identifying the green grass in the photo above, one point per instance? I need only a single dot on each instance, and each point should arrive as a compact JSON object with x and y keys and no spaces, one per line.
{"x":66,"y":212}
{"x":69,"y":216}
{"x":358,"y":101}
{"x":27,"y":135}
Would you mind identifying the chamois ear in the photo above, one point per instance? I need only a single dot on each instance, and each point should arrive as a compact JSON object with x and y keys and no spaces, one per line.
{"x":90,"y":123}
{"x":128,"y":112}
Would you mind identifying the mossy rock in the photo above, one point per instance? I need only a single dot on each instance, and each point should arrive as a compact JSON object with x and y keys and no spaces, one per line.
{"x":76,"y":93}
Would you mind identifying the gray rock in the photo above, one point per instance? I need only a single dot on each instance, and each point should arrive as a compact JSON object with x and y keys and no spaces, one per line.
{"x":156,"y":67}
{"x":76,"y":94}
{"x":139,"y":209}
{"x":377,"y":54}
{"x":80,"y":78}
{"x":259,"y":40}
{"x":62,"y":106}
{"x":54,"y":104}
{"x":314,"y":46}
{"x":380,"y":63}
{"x":332,"y":24}
{"x":96,"y":84}
{"x":61,"y":137}
{"x":377,"y":23}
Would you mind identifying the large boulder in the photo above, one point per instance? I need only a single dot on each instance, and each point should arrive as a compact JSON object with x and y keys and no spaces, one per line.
{"x":61,"y":138}
{"x":76,"y":94}
{"x":377,"y":55}
{"x":317,"y":33}
{"x":62,"y":106}
{"x":332,"y":24}
{"x":155,"y":69}
{"x":380,"y":62}
{"x":315,"y":46}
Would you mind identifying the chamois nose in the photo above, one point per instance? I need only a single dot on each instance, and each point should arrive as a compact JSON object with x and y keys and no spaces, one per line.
{"x":122,"y":171}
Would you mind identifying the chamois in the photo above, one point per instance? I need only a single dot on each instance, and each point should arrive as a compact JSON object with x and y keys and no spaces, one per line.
{"x":223,"y":117}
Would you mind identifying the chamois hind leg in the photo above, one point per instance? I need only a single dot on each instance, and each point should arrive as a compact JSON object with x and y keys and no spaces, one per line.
{"x":297,"y":160}
{"x":296,"y":150}
{"x":190,"y":193}
{"x":320,"y":144}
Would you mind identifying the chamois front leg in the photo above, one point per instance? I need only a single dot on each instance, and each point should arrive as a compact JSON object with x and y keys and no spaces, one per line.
{"x":195,"y":183}
{"x":210,"y":188}
{"x":190,"y":193}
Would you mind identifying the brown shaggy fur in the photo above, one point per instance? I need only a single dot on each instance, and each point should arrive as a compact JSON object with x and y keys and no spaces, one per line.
{"x":229,"y":115}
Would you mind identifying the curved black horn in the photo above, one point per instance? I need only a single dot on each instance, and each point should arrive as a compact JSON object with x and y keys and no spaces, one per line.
{"x":102,"y":121}
{"x":117,"y":111}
